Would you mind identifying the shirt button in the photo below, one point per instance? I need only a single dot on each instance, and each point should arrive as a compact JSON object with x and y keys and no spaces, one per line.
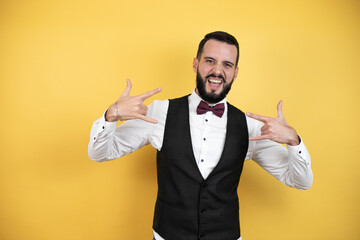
{"x":94,"y":138}
{"x":202,"y":160}
{"x":206,"y":120}
{"x":204,"y":139}
{"x":103,"y":127}
{"x":299,"y":152}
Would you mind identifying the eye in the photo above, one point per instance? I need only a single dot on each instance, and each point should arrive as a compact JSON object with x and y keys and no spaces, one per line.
{"x":209,"y":60}
{"x":228,"y":65}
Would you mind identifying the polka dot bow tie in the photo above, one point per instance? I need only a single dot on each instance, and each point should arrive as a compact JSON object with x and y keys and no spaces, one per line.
{"x":218,"y":109}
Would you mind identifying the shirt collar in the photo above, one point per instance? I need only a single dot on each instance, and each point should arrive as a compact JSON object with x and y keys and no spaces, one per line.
{"x":195,"y":99}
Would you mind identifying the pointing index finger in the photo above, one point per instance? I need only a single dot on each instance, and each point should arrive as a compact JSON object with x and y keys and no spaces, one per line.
{"x":146,"y":95}
{"x":258,"y":117}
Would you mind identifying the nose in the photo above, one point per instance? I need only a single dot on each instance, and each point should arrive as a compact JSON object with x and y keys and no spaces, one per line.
{"x":218,"y":69}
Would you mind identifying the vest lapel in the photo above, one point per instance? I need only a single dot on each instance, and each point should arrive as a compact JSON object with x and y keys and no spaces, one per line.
{"x":188,"y":136}
{"x":226,"y":148}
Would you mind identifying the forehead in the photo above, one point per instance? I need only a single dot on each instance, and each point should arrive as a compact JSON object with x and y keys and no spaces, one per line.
{"x":219,"y":50}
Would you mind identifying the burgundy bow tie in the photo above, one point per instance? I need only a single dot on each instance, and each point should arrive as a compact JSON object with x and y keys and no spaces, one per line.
{"x":218,"y":109}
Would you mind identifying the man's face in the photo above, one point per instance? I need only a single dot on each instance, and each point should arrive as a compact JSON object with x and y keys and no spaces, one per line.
{"x":215,"y":70}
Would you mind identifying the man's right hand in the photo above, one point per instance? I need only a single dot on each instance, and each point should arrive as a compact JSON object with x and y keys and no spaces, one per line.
{"x":130,"y":107}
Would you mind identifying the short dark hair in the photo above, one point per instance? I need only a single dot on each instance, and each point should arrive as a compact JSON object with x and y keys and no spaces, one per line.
{"x":219,"y":36}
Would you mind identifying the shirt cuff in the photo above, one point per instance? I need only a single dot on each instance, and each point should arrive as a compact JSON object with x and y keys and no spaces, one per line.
{"x":107,"y":126}
{"x":103,"y":127}
{"x":299,"y":151}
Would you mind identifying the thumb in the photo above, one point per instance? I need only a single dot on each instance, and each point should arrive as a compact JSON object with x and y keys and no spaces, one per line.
{"x":127,"y":89}
{"x":280,"y":114}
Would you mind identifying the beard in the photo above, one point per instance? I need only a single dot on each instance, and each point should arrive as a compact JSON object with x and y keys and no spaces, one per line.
{"x":211,"y":97}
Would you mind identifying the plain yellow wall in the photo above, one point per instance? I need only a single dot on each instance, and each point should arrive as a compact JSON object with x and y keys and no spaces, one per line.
{"x":63,"y":62}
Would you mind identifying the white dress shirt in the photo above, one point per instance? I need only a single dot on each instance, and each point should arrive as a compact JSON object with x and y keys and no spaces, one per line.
{"x":291,"y":165}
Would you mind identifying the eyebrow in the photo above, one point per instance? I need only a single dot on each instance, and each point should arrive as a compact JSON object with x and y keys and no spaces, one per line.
{"x":227,"y":62}
{"x":210,"y":58}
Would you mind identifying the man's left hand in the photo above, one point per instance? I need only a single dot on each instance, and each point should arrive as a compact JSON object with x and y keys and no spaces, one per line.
{"x":276,"y":129}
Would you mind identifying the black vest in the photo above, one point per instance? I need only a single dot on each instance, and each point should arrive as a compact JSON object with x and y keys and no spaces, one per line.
{"x":187,"y":206}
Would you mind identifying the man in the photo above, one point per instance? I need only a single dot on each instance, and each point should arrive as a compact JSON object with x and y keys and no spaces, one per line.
{"x":202,"y":142}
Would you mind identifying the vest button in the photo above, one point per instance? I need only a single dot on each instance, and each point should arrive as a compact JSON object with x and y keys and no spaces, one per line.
{"x":203,"y":210}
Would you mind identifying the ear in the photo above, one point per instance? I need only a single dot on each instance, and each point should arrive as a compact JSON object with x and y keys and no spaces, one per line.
{"x":236,"y":73}
{"x":195,"y":65}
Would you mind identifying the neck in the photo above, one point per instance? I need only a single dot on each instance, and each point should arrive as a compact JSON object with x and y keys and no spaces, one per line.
{"x":210,"y":104}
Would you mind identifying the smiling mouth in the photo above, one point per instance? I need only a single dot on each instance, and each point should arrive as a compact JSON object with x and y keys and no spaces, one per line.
{"x":211,"y":80}
{"x":214,"y":84}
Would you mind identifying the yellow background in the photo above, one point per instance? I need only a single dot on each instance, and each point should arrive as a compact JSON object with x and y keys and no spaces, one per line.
{"x":63,"y":62}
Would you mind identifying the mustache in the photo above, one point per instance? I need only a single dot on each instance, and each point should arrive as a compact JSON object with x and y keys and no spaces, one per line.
{"x":215,"y":76}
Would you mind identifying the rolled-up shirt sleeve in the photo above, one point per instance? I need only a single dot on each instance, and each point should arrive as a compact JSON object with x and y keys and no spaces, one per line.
{"x":291,"y":164}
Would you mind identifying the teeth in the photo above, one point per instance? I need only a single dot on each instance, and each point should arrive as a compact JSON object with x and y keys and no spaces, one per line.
{"x":214,"y":81}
